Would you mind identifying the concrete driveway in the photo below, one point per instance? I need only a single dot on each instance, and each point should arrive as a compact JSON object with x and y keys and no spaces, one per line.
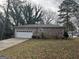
{"x":4,"y":44}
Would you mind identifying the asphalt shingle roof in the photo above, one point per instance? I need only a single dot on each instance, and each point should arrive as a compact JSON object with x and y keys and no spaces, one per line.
{"x":32,"y":25}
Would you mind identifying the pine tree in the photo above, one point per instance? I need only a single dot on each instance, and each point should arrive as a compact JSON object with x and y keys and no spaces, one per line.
{"x":67,"y":10}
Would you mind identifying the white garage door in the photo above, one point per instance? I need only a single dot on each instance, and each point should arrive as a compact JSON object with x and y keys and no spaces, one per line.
{"x":23,"y":34}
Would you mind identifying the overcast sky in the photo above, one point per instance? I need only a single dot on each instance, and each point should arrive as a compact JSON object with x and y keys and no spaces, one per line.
{"x":2,"y":1}
{"x":47,"y":4}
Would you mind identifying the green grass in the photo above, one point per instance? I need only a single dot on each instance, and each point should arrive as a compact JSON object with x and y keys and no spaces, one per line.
{"x":44,"y":49}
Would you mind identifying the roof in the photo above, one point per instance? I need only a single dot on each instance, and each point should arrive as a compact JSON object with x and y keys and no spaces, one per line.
{"x":40,"y":25}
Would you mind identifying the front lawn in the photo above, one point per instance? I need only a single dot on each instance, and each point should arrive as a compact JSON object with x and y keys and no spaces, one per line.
{"x":44,"y":49}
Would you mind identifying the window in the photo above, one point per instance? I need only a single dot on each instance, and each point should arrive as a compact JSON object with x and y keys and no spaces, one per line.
{"x":24,"y":31}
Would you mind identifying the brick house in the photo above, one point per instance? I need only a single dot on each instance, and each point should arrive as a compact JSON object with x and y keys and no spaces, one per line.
{"x":48,"y":31}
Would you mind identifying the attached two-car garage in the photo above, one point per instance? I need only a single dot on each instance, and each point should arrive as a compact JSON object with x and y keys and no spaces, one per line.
{"x":23,"y":34}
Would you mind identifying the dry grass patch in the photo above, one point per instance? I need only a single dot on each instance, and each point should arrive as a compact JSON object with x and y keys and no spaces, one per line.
{"x":44,"y":49}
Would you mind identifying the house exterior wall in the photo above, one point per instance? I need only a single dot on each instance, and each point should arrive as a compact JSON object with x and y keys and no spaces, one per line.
{"x":47,"y":32}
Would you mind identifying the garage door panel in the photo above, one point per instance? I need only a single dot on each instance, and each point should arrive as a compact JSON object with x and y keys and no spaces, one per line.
{"x":23,"y":34}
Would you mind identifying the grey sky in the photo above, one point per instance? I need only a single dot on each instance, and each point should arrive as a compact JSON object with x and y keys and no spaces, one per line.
{"x":2,"y":1}
{"x":47,"y":4}
{"x":50,"y":4}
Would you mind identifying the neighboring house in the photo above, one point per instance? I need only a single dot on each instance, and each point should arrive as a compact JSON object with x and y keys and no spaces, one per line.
{"x":73,"y":33}
{"x":48,"y":31}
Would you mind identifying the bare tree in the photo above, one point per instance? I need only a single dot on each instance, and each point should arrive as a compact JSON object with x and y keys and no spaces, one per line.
{"x":32,"y":13}
{"x":49,"y":16}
